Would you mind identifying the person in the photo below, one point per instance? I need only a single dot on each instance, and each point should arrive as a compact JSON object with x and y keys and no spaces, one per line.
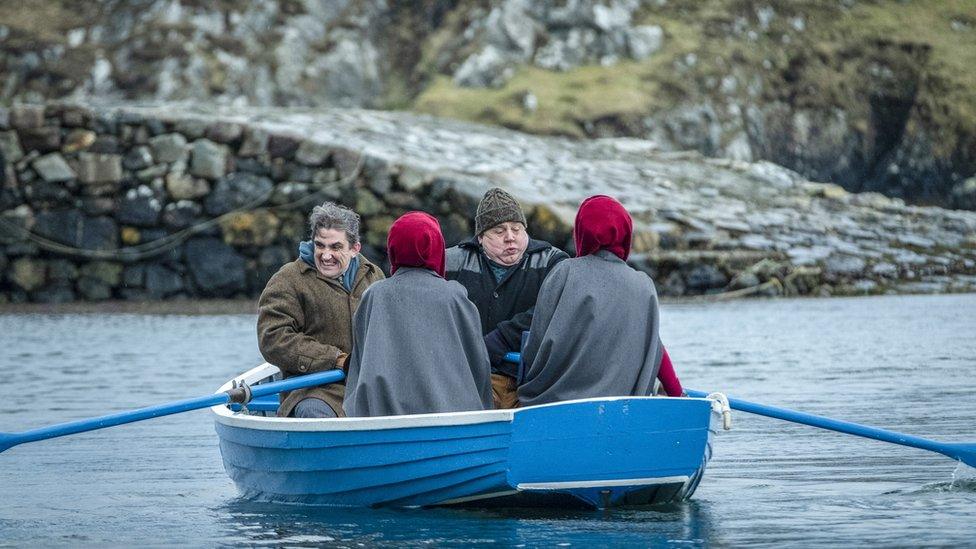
{"x":305,"y":311}
{"x":502,"y":269}
{"x":595,"y":328}
{"x":417,"y":338}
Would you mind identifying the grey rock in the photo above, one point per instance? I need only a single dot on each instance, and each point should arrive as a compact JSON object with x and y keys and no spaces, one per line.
{"x":744,"y":280}
{"x":191,"y":128}
{"x":964,"y":194}
{"x":216,"y":268}
{"x":489,"y":68}
{"x":134,"y":276}
{"x":53,"y":169}
{"x":140,"y":207}
{"x":310,"y":153}
{"x":182,"y":214}
{"x":255,"y":143}
{"x":289,"y":191}
{"x":60,"y":292}
{"x":838,"y":265}
{"x":105,"y":144}
{"x":106,"y":272}
{"x":283,"y":146}
{"x":181,"y":186}
{"x":162,"y":282}
{"x":24,"y":117}
{"x":367,"y":204}
{"x":61,"y":269}
{"x":208,"y":159}
{"x":27,"y":273}
{"x":644,"y":41}
{"x":93,"y":290}
{"x":138,"y":158}
{"x":43,"y":140}
{"x":237,"y":190}
{"x":16,"y":224}
{"x":704,"y":278}
{"x":10,"y":150}
{"x":99,"y":168}
{"x":152,"y":173}
{"x":169,"y":147}
{"x":224,"y":132}
{"x":378,"y":176}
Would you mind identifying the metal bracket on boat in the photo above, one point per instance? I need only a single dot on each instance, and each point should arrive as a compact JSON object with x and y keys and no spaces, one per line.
{"x":720,"y":405}
{"x":240,"y":393}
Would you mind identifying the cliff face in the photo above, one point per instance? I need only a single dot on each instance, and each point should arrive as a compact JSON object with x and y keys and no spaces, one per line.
{"x":872,"y":95}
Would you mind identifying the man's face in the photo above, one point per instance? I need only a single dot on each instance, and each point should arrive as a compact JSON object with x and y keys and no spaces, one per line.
{"x":333,"y":252}
{"x":505,"y":243}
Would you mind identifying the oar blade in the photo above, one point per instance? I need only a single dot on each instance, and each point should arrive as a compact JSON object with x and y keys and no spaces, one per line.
{"x":7,"y":441}
{"x":964,"y":452}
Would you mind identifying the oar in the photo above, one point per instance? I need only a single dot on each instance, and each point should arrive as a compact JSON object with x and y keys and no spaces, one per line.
{"x":962,"y":451}
{"x":238,"y":394}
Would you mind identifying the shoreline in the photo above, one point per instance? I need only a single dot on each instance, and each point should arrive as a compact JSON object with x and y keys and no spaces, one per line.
{"x":174,"y":307}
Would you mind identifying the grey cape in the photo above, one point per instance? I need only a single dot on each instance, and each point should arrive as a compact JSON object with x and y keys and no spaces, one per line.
{"x":417,"y":348}
{"x":594,"y":333}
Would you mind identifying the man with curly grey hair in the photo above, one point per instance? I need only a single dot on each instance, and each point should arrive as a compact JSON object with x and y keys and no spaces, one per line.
{"x":305,"y":312}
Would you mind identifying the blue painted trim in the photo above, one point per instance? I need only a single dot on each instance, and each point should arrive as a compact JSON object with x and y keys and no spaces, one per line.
{"x":965,"y":452}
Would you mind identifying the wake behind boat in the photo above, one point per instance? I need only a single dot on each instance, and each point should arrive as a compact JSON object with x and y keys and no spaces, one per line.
{"x":599,"y":453}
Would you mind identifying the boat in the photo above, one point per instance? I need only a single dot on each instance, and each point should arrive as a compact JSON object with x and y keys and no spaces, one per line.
{"x":591,"y":453}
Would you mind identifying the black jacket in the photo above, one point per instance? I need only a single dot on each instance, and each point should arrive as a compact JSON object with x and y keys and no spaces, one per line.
{"x":505,"y":307}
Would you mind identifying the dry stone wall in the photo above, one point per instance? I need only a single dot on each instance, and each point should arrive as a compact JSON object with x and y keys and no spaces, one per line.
{"x":170,"y":202}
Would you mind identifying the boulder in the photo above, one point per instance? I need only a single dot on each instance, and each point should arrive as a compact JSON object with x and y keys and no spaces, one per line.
{"x":27,"y":273}
{"x":16,"y":224}
{"x":138,"y":158}
{"x":134,"y":276}
{"x":182,"y":186}
{"x":181,"y":214}
{"x":216,"y":268}
{"x":161,"y":282}
{"x":59,"y":292}
{"x":43,"y":140}
{"x":78,"y":140}
{"x":140,"y":207}
{"x":283,"y":146}
{"x":255,"y":228}
{"x":61,"y":269}
{"x":237,"y":190}
{"x":224,"y":132}
{"x":53,"y":169}
{"x":367,"y":204}
{"x":704,"y":278}
{"x":169,"y":147}
{"x":72,"y":228}
{"x":93,"y":289}
{"x":208,"y":159}
{"x":311,"y":153}
{"x":255,"y":143}
{"x":24,"y":117}
{"x":99,"y":169}
{"x":106,"y":272}
{"x":10,"y":149}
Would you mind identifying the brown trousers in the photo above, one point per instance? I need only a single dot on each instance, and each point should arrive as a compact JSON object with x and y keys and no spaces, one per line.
{"x":505,"y":392}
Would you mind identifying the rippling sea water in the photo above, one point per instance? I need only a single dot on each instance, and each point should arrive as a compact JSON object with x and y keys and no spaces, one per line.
{"x":903,"y":363}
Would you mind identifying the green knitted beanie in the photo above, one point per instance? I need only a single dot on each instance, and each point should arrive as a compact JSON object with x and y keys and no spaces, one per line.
{"x":495,"y":208}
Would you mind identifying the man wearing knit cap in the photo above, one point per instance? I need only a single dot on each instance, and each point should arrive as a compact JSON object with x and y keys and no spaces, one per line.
{"x":502,"y":270}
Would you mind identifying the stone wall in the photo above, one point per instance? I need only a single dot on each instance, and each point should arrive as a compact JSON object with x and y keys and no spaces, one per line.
{"x":110,"y":206}
{"x":171,"y":202}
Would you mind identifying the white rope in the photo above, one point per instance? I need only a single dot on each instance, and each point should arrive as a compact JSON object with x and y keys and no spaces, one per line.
{"x":720,"y":405}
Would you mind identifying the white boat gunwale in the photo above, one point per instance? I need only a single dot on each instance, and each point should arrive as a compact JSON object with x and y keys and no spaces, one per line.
{"x":226,"y":416}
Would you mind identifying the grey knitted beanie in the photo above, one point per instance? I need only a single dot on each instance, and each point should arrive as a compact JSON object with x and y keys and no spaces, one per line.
{"x":497,"y":207}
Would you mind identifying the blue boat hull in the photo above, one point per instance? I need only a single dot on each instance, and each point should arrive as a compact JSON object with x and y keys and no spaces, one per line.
{"x":595,"y":452}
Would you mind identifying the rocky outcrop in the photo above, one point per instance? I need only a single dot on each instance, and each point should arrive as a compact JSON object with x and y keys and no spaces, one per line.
{"x":871,"y":96}
{"x":703,"y":226}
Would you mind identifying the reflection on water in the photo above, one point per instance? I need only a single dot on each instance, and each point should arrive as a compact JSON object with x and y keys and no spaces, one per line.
{"x":271,"y":524}
{"x":904,"y":363}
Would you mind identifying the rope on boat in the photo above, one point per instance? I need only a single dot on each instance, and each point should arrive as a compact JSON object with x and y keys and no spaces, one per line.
{"x":720,"y":405}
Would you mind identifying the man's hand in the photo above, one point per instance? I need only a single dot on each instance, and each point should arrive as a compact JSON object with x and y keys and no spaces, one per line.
{"x":342,"y":362}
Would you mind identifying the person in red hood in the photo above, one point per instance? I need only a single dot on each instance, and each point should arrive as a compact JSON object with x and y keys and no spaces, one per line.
{"x":595,"y":328}
{"x":417,"y":343}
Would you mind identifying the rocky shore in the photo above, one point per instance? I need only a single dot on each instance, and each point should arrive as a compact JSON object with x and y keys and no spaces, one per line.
{"x":171,"y":202}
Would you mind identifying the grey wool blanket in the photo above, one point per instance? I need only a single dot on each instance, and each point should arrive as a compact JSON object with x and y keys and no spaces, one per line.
{"x":417,"y":348}
{"x":594,"y":333}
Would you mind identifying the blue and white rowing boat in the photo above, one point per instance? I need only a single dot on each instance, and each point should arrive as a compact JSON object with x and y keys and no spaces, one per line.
{"x":598,"y":453}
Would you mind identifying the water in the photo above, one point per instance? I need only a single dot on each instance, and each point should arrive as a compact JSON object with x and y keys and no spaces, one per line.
{"x":904,"y":363}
